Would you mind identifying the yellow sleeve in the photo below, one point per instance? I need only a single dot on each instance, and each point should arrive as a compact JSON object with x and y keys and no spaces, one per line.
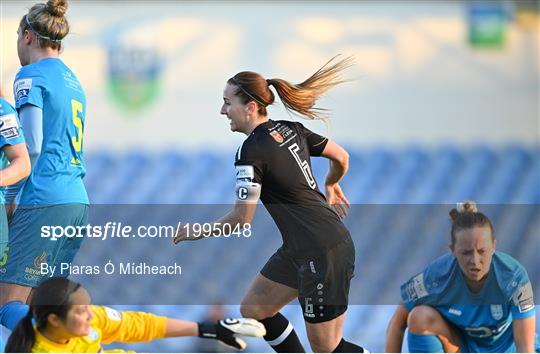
{"x":127,"y":326}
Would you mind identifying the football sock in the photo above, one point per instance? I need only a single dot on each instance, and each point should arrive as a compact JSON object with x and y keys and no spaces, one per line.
{"x":348,"y":347}
{"x":11,"y":313}
{"x":424,"y":343}
{"x":280,"y":335}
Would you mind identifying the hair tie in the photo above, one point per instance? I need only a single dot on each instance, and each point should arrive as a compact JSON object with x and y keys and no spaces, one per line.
{"x":247,"y":93}
{"x":39,"y":34}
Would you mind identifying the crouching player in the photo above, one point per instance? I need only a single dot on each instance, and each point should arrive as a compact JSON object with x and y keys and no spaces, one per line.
{"x":474,"y":299}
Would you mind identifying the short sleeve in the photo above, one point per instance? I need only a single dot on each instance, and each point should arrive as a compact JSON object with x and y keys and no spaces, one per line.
{"x":522,"y":303}
{"x":316,"y":142}
{"x":29,"y":88}
{"x":128,"y":327}
{"x":10,"y":127}
{"x":249,"y":164}
{"x":413,"y":291}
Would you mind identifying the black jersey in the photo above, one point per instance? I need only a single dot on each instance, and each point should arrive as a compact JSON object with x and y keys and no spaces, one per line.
{"x":277,"y":156}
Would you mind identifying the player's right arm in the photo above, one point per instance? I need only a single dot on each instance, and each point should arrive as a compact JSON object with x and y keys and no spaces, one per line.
{"x":238,"y":217}
{"x":248,"y":190}
{"x":396,"y":329}
{"x":339,"y":165}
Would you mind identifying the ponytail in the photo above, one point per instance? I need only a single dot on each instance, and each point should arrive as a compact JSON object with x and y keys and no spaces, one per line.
{"x":23,"y":337}
{"x":298,"y":99}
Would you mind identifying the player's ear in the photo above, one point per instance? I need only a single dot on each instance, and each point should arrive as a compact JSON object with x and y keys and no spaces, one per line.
{"x":54,"y":320}
{"x":28,"y":36}
{"x":451,"y":247}
{"x":251,"y":107}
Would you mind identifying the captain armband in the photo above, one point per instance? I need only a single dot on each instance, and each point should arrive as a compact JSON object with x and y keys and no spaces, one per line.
{"x":247,"y":191}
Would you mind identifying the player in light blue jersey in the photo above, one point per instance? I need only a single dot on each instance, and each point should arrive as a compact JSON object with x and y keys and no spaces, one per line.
{"x":14,"y":163}
{"x":52,"y":108}
{"x":474,"y":299}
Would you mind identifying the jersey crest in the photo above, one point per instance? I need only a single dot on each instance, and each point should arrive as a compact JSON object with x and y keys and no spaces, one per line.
{"x":496,"y":312}
{"x":277,"y":136}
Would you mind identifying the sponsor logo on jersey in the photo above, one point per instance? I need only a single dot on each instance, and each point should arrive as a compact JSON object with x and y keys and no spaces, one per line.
{"x":9,"y":128}
{"x":277,"y":136}
{"x":455,"y":312}
{"x":496,"y":312}
{"x":416,"y":288}
{"x":21,"y":88}
{"x":523,"y":298}
{"x":10,"y":133}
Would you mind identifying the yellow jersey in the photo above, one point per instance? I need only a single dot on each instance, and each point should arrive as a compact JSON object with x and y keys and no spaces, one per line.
{"x":107,"y":326}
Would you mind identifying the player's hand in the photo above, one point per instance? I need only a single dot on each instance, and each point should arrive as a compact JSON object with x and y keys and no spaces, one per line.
{"x":227,"y":330}
{"x":337,"y":200}
{"x":184,"y":234}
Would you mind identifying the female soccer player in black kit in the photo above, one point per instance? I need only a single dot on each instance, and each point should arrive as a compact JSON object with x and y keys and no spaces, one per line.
{"x":316,"y":262}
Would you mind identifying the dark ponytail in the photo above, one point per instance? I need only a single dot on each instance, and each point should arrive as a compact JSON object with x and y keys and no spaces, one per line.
{"x":23,"y":337}
{"x":52,"y":296}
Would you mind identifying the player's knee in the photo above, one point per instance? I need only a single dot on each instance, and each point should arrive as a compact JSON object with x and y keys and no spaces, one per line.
{"x":422,"y":319}
{"x":256,"y":311}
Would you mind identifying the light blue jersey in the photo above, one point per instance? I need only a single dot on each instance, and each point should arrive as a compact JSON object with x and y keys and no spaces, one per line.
{"x":484,"y":319}
{"x":10,"y":134}
{"x":56,"y":177}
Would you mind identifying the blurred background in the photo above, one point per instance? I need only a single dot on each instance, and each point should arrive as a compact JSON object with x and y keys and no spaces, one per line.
{"x":443,"y":105}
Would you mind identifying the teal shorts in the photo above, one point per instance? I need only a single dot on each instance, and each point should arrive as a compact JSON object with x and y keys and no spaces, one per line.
{"x":27,"y":249}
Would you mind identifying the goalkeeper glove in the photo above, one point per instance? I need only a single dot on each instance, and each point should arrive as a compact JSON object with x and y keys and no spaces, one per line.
{"x":226,"y":331}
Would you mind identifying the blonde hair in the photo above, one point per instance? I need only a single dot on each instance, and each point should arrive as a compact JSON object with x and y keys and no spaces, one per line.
{"x":47,"y":22}
{"x":299,"y":98}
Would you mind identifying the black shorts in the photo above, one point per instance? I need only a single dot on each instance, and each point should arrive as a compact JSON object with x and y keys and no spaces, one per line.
{"x":322,"y":281}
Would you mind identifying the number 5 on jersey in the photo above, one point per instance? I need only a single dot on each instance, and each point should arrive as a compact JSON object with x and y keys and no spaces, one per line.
{"x":304,"y":166}
{"x":76,"y":141}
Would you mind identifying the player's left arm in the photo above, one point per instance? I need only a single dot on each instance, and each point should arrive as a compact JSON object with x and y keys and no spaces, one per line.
{"x":339,"y":165}
{"x":524,"y":334}
{"x":523,"y":317}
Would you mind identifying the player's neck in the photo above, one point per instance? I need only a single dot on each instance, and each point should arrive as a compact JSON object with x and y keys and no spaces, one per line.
{"x":255,"y":123}
{"x":476,"y":285}
{"x":43,"y":53}
{"x":54,"y":336}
